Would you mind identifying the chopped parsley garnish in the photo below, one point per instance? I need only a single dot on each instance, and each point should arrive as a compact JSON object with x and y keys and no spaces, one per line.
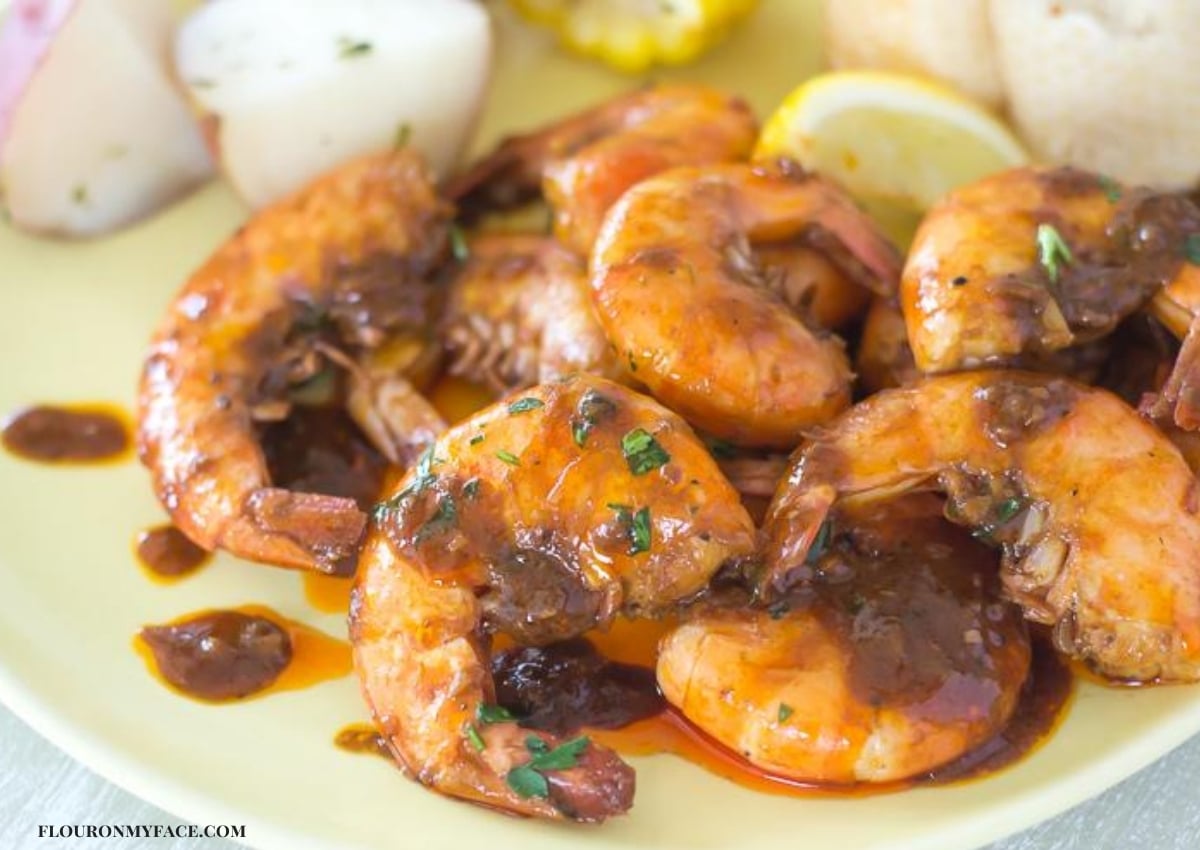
{"x":632,"y":362}
{"x":593,"y":408}
{"x":785,"y":711}
{"x":1191,"y":248}
{"x":637,"y":526}
{"x":1052,"y":251}
{"x":474,"y":737}
{"x":820,"y":544}
{"x":349,"y":48}
{"x":1112,"y":189}
{"x":403,"y":135}
{"x":778,"y":610}
{"x":524,"y":405}
{"x":458,"y":244}
{"x":642,"y":452}
{"x":508,"y":457}
{"x":488,"y":713}
{"x":720,"y":449}
{"x":579,"y":432}
{"x":423,"y":478}
{"x":471,"y":489}
{"x":444,"y":519}
{"x":528,"y":780}
{"x":476,"y":440}
{"x":1008,"y":509}
{"x":79,"y":194}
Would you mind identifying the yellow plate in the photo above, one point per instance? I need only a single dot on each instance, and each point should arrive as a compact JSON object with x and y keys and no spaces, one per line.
{"x":74,"y":319}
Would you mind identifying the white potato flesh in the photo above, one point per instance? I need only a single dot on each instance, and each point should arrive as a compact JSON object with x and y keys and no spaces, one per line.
{"x":1109,"y":85}
{"x":299,"y":86}
{"x":97,"y":135}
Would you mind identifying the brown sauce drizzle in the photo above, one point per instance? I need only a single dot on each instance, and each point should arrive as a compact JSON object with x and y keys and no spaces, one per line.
{"x":567,"y":685}
{"x":321,"y":450}
{"x":83,"y":433}
{"x":362,"y":738}
{"x":167,"y":554}
{"x":247,"y":659}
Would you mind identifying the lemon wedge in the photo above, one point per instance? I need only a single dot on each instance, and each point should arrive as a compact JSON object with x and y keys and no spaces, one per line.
{"x":632,"y":35}
{"x":896,"y":142}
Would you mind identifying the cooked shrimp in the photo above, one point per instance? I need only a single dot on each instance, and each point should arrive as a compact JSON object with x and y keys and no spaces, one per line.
{"x":541,"y":517}
{"x":333,"y":276}
{"x":681,"y":293}
{"x":891,"y":657}
{"x":585,"y":162}
{"x":1035,"y":260}
{"x":884,"y":358}
{"x":1096,"y":511}
{"x":519,"y":314}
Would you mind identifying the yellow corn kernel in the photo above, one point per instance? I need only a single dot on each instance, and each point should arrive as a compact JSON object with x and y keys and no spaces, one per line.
{"x":632,"y":35}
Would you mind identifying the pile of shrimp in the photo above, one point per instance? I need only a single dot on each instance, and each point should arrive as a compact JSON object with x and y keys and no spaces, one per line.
{"x":859,"y":481}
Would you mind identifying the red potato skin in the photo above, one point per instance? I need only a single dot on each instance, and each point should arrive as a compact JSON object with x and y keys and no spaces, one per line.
{"x":25,"y":39}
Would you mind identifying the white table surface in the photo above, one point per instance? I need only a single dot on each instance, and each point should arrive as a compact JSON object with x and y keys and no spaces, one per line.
{"x":1157,"y":809}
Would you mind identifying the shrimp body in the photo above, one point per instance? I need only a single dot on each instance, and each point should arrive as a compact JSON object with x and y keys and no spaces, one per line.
{"x":884,"y":359}
{"x":893,"y":656}
{"x":519,"y":313}
{"x":682,"y":294}
{"x":541,"y":517}
{"x":585,"y":162}
{"x":1095,"y":509}
{"x":1035,"y":260}
{"x":330,"y":278}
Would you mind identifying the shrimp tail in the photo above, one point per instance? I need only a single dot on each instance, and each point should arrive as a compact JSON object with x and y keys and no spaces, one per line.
{"x":795,"y":537}
{"x":1179,"y":400}
{"x":508,"y":177}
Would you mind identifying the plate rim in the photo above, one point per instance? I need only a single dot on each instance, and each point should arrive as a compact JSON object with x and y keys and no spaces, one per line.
{"x":176,"y":798}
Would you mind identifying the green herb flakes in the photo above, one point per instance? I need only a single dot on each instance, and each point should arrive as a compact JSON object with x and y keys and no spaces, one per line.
{"x":348,"y":48}
{"x":527,"y":782}
{"x":1111,"y":188}
{"x":1053,"y":252}
{"x":593,"y":409}
{"x":403,"y":136}
{"x":637,"y":527}
{"x":524,"y":405}
{"x":820,"y":544}
{"x":1191,"y":248}
{"x":487,"y":713}
{"x":642,"y":452}
{"x":785,"y":711}
{"x":459,"y":248}
{"x":508,"y":457}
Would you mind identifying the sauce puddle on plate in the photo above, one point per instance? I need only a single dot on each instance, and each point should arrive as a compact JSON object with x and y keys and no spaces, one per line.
{"x":361,"y":738}
{"x":327,"y":594}
{"x":228,"y":655}
{"x":64,"y":434}
{"x":167,"y":555}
